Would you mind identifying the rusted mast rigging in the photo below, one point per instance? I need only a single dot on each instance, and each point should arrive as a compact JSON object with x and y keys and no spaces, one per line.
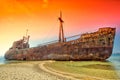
{"x":61,"y":32}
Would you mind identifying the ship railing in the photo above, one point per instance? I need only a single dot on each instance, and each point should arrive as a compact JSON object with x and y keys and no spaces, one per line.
{"x":73,"y":37}
{"x":47,"y":43}
{"x":67,"y":39}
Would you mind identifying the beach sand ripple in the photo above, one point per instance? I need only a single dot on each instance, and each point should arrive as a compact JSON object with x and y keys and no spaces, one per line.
{"x":26,"y":71}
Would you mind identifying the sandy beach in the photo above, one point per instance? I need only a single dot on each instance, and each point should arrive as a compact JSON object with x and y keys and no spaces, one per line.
{"x":26,"y":71}
{"x":55,"y":70}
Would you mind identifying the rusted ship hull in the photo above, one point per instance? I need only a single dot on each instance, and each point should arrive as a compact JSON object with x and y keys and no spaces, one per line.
{"x":60,"y":53}
{"x":90,"y":46}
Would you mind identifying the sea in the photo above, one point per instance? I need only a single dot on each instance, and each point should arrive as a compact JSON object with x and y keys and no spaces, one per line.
{"x":2,"y":60}
{"x":115,"y":60}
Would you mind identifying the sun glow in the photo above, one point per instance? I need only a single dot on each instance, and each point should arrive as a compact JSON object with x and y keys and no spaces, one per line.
{"x":42,"y":17}
{"x":45,"y":4}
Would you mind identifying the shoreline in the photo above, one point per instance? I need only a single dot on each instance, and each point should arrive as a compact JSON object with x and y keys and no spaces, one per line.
{"x":40,"y":70}
{"x":20,"y":70}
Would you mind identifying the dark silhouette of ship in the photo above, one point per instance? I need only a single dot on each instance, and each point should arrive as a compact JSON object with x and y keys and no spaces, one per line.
{"x":89,"y":46}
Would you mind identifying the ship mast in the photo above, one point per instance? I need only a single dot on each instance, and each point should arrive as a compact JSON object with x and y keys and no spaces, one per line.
{"x":26,"y":38}
{"x":26,"y":32}
{"x":61,"y":32}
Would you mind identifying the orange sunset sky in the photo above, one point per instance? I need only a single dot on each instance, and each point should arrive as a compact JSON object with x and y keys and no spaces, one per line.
{"x":40,"y":17}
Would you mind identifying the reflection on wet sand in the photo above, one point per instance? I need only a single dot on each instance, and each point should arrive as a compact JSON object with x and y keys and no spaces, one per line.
{"x":96,"y":70}
{"x":98,"y":66}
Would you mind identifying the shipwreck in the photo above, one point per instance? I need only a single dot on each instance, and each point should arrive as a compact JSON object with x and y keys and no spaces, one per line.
{"x":97,"y":45}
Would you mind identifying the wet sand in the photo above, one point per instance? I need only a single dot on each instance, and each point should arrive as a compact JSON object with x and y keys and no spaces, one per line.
{"x":85,"y":70}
